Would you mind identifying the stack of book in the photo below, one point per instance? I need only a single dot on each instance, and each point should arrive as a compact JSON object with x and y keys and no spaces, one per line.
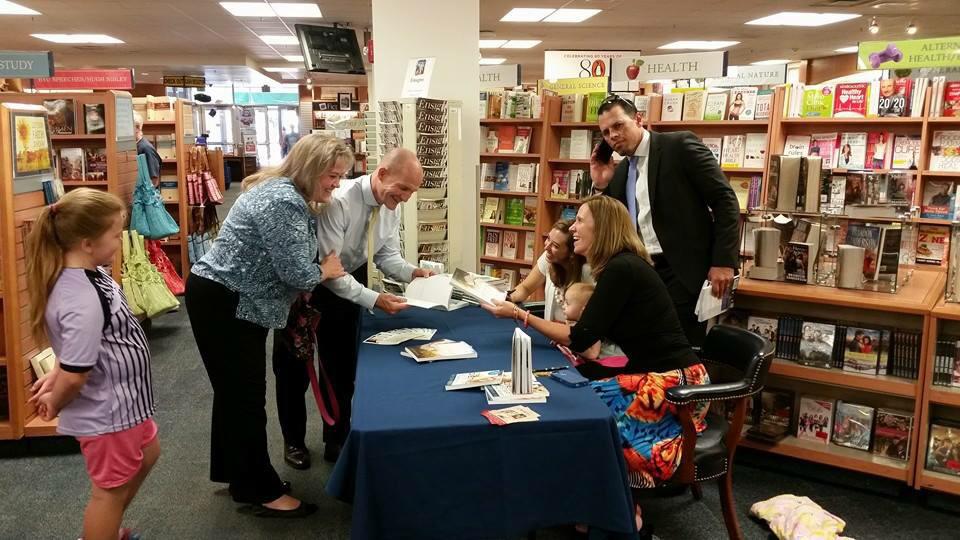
{"x":858,"y":150}
{"x":508,"y":210}
{"x":570,"y":184}
{"x":506,"y":139}
{"x":901,"y":97}
{"x":507,"y":244}
{"x":946,"y":98}
{"x":509,"y":104}
{"x":506,"y":176}
{"x":697,"y":104}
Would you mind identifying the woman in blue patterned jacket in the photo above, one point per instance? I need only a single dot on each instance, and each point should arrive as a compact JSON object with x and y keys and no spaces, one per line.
{"x":264,"y":256}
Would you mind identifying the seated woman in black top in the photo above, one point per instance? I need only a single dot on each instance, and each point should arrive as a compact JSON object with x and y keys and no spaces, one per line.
{"x":632,"y":308}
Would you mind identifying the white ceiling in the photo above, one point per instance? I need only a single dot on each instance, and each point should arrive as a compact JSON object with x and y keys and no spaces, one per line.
{"x":200,"y":37}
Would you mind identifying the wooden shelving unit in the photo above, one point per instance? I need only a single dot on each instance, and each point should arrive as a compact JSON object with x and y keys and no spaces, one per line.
{"x":501,"y":260}
{"x":526,"y":228}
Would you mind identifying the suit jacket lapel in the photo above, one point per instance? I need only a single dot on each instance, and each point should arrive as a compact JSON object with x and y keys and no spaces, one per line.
{"x":653,"y":168}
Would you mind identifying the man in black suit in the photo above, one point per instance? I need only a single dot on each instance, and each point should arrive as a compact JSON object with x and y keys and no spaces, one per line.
{"x":685,"y":210}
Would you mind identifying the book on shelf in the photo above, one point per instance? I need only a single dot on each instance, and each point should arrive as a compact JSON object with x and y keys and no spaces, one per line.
{"x":741,"y":186}
{"x":891,"y":434}
{"x":945,"y":360}
{"x":578,"y":184}
{"x":775,"y":415}
{"x":580,"y":147}
{"x":902,"y":186}
{"x":755,"y":150}
{"x":951,"y":99}
{"x":506,"y":136}
{"x":593,"y":101}
{"x":571,"y":108}
{"x":817,"y":101}
{"x":521,"y":141}
{"x":491,"y":245}
{"x":642,"y":104}
{"x":529,"y":241}
{"x":833,"y":195}
{"x":888,"y":265}
{"x":808,"y":189}
{"x":694,"y":103}
{"x":853,"y":150}
{"x":526,"y":178}
{"x":943,"y":447}
{"x":671,"y":107}
{"x":443,"y":349}
{"x":945,"y":151}
{"x":743,"y":103}
{"x":559,"y":187}
{"x":851,"y":99}
{"x":938,"y":199}
{"x":764,"y":104}
{"x":733,"y":151}
{"x":932,"y":243}
{"x":867,"y":237}
{"x":797,"y":264}
{"x":879,"y":150}
{"x":784,"y":182}
{"x":94,"y":118}
{"x":509,"y":275}
{"x":815,"y":419}
{"x":474,"y":379}
{"x":491,"y":141}
{"x":825,"y":146}
{"x":494,"y":103}
{"x":894,"y":97}
{"x":568,"y":213}
{"x":488,"y":175}
{"x":501,"y":180}
{"x":861,"y":350}
{"x":816,"y":345}
{"x":95,"y":164}
{"x":492,"y":210}
{"x":853,"y":425}
{"x":509,"y":245}
{"x":715,"y":107}
{"x":72,"y":164}
{"x":61,"y":116}
{"x":715,"y":145}
{"x":513,"y":214}
{"x":529,"y":211}
{"x":797,"y":145}
{"x":765,"y":327}
{"x":565,"y":148}
{"x":906,"y":150}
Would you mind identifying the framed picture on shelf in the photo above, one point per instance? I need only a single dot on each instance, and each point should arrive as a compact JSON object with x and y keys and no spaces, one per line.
{"x":346,"y":101}
{"x":94,"y":118}
{"x":31,"y":143}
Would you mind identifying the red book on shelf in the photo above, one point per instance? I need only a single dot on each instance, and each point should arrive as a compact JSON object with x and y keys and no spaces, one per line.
{"x":951,"y":99}
{"x":851,"y":100}
{"x":505,"y":135}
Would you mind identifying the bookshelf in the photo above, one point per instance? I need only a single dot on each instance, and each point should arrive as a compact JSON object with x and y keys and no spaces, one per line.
{"x":535,"y":156}
{"x":17,"y":211}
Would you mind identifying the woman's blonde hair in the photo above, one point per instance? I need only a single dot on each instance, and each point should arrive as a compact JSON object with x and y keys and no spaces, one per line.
{"x":309,"y":158}
{"x":81,"y":214}
{"x":613,"y":232}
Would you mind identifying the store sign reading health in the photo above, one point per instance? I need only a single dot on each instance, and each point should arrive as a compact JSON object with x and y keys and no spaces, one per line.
{"x":664,"y":67}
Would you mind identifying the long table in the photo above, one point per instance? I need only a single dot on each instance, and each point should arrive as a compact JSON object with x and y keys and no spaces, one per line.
{"x":421,"y":462}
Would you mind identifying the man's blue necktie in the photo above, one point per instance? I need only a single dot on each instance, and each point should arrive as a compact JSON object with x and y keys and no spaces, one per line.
{"x":632,"y":190}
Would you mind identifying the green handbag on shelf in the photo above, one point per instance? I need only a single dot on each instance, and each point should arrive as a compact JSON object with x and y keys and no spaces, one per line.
{"x":154,"y":296}
{"x":131,"y":288}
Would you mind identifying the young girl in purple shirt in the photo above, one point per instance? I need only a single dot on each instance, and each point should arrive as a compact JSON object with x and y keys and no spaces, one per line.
{"x":100,"y":387}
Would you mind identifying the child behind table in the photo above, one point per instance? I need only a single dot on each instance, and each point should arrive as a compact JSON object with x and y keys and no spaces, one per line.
{"x":100,"y":386}
{"x":576,"y":298}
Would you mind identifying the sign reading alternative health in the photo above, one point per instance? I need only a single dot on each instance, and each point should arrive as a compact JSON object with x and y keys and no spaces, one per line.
{"x":669,"y":67}
{"x":586,"y":85}
{"x":914,"y":53}
{"x":501,"y":76}
{"x":87,"y":79}
{"x":417,"y":81}
{"x":751,"y":76}
{"x":580,"y":64}
{"x":26,"y":64}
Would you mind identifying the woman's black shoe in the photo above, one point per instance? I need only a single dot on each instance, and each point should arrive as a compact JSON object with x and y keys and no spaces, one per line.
{"x":285,"y":488}
{"x":305,"y":509}
{"x":297,"y":457}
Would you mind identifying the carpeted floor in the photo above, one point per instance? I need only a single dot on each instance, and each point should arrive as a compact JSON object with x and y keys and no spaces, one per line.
{"x":44,"y":486}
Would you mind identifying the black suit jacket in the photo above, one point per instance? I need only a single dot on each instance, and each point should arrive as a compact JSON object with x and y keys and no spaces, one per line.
{"x":695,"y":211}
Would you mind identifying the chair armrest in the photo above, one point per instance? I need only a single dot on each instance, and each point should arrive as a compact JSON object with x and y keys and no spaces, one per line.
{"x":681,"y":395}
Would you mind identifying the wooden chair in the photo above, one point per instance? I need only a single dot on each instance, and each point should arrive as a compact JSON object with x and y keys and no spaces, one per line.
{"x":742,"y":359}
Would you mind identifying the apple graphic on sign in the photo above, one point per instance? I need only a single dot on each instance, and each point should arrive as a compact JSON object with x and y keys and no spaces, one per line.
{"x":633,"y":70}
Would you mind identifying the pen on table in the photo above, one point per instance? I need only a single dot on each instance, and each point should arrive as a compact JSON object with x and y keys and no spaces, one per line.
{"x":550,"y":369}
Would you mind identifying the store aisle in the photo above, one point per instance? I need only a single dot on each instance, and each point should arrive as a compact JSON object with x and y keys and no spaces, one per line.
{"x":44,"y":487}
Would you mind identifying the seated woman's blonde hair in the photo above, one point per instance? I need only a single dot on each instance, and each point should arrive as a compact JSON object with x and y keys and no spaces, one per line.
{"x":312,"y":156}
{"x":613,"y":232}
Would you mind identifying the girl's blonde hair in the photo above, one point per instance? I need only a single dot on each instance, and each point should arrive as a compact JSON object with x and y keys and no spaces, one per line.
{"x":613,"y":232}
{"x":309,"y":158}
{"x":82,"y":213}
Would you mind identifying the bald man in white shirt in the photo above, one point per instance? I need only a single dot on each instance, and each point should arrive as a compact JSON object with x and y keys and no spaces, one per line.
{"x":343,"y":227}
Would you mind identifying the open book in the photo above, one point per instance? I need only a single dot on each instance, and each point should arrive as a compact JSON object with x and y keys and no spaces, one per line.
{"x":476,"y":287}
{"x":434,"y":292}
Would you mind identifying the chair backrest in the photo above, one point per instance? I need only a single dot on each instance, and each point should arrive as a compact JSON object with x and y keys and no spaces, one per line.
{"x":746,"y":353}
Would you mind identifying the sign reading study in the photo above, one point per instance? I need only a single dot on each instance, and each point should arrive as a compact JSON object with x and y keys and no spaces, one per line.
{"x":26,"y":64}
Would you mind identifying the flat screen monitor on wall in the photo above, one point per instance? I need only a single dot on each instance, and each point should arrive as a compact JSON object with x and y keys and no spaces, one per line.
{"x":329,"y":49}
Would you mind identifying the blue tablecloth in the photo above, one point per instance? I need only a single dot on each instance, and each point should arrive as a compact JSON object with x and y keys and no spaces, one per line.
{"x":423,"y":463}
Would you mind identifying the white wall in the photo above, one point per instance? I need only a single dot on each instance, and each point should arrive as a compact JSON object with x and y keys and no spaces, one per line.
{"x":448,"y":31}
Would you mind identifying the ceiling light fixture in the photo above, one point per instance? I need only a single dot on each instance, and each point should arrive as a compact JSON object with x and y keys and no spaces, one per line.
{"x":797,"y":18}
{"x":911,"y":28}
{"x":850,"y":49}
{"x":492,"y":43}
{"x":521,"y":43}
{"x":293,"y":58}
{"x":701,"y":45}
{"x":280,"y":40}
{"x":874,"y":26}
{"x":272,"y":9}
{"x":570,"y":15}
{"x":777,"y":62}
{"x":492,"y":61}
{"x":78,"y":38}
{"x":527,"y":14}
{"x":9,"y":8}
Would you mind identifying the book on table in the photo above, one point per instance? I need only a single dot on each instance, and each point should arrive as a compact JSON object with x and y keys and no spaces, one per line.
{"x":473,"y":379}
{"x":443,"y":349}
{"x":502,"y":393}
